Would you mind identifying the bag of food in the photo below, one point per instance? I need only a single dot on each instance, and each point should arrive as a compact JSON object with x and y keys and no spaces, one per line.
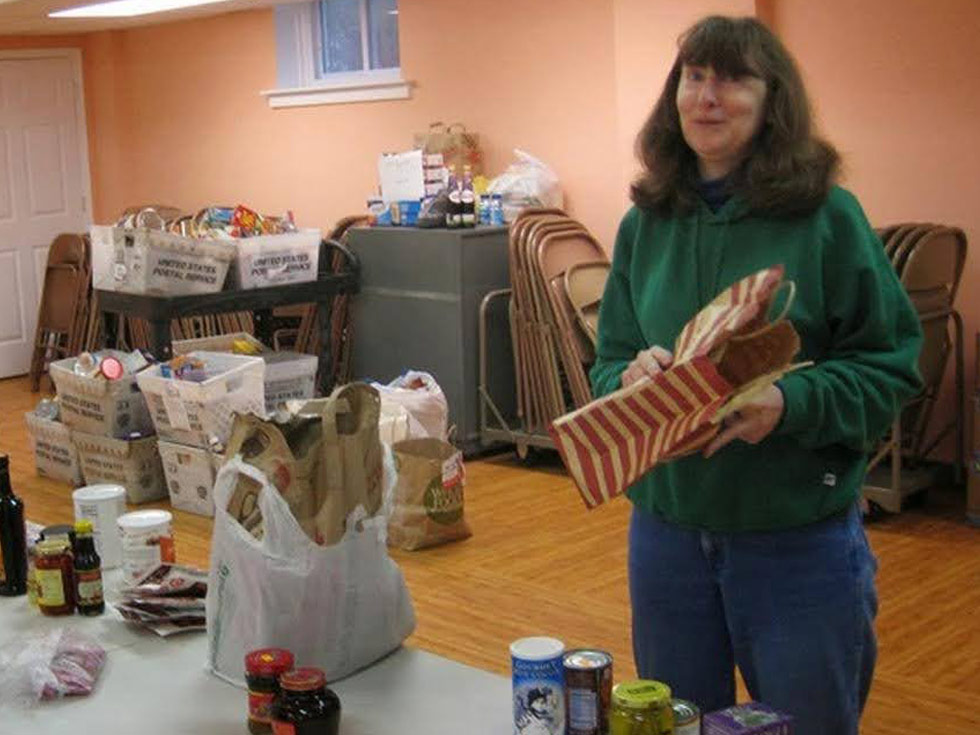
{"x":325,"y":461}
{"x":339,"y":607}
{"x":458,"y":146}
{"x":428,"y":503}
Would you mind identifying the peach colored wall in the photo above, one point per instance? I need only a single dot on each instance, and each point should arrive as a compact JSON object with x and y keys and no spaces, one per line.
{"x":185,"y":124}
{"x":896,"y":89}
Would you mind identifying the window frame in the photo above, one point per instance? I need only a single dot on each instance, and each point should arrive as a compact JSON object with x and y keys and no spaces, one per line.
{"x":297,"y":38}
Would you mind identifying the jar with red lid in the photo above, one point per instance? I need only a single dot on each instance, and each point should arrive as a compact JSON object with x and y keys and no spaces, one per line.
{"x":54,"y":572}
{"x":262,"y":670}
{"x":305,"y":706}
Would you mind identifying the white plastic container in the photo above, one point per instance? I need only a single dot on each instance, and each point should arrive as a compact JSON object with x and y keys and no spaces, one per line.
{"x":192,"y":413}
{"x":288,"y":375}
{"x":132,"y":463}
{"x":190,"y":473}
{"x":153,"y":262}
{"x":54,"y":454}
{"x":273,"y":260}
{"x":95,"y":405}
{"x":147,"y":538}
{"x":102,"y":504}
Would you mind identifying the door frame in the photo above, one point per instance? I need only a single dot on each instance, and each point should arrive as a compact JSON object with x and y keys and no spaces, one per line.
{"x":74,"y":55}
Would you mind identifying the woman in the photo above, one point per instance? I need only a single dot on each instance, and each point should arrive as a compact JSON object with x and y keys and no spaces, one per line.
{"x":752,"y":552}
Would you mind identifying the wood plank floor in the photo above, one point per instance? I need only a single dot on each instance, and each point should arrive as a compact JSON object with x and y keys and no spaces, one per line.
{"x":539,"y":563}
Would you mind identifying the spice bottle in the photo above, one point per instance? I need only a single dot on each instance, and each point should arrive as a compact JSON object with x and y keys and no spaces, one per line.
{"x":262,"y":670}
{"x":89,"y":596}
{"x":54,"y":571}
{"x":13,"y":541}
{"x":305,"y":706}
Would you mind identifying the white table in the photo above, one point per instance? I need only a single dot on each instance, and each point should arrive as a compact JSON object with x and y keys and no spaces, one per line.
{"x":153,"y":685}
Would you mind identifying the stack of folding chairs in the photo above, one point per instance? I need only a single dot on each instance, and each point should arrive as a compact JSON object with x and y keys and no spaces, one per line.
{"x":929,"y":261}
{"x":62,"y":317}
{"x":557,"y":272}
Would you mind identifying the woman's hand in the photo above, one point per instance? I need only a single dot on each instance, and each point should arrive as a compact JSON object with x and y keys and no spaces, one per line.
{"x":753,"y":423}
{"x":647,"y":364}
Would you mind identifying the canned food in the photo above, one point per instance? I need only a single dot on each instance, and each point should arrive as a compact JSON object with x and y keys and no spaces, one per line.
{"x":641,"y":707}
{"x":539,"y":686}
{"x":588,"y":691}
{"x":687,"y":717}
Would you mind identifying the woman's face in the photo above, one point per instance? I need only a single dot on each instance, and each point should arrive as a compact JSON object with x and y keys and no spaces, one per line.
{"x":719,"y":117}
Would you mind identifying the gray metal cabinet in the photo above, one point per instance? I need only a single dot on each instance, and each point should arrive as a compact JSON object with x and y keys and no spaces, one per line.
{"x":418,"y":308}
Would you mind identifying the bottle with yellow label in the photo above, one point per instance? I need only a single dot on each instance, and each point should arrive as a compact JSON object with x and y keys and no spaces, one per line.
{"x":55,"y":577}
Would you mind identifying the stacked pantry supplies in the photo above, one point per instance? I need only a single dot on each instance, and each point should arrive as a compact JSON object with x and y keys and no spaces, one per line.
{"x":162,"y":251}
{"x":723,"y":357}
{"x":193,"y":399}
{"x":108,"y":423}
{"x":168,"y":600}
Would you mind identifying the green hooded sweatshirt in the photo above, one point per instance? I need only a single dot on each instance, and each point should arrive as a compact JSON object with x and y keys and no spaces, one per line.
{"x":855,"y":323}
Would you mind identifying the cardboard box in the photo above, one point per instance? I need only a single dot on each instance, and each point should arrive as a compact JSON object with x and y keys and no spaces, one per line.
{"x":190,"y":473}
{"x":55,"y":455}
{"x":273,"y":260}
{"x":752,"y":718}
{"x":113,"y":408}
{"x":134,"y":464}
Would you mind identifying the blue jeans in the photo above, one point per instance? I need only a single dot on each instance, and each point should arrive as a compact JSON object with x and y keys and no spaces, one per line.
{"x":794,"y":609}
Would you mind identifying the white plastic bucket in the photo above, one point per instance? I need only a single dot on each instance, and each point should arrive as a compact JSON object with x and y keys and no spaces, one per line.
{"x":147,"y":541}
{"x":103,"y":504}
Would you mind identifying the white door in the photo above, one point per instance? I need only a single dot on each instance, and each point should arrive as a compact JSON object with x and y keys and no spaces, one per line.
{"x":43,"y":184}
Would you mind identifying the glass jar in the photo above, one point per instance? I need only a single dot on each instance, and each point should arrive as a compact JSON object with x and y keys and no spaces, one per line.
{"x":55,"y":577}
{"x":305,"y":706}
{"x":641,"y":707}
{"x":262,"y":670}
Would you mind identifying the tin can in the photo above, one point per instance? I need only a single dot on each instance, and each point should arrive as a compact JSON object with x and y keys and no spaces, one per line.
{"x":539,"y":686}
{"x":588,"y":691}
{"x":641,"y":707}
{"x":687,"y":717}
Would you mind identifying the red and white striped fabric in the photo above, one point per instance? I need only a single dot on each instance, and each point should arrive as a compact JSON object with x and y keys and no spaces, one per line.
{"x":610,"y":443}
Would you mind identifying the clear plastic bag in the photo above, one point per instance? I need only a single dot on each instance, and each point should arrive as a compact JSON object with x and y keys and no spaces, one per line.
{"x":59,"y":663}
{"x":528,"y":182}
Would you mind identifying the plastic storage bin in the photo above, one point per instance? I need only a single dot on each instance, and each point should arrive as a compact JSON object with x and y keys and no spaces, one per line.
{"x":273,"y":260}
{"x":196,"y":414}
{"x":158,"y":263}
{"x":190,"y":473}
{"x":54,"y":454}
{"x":113,"y":408}
{"x":288,"y":376}
{"x":133,"y":464}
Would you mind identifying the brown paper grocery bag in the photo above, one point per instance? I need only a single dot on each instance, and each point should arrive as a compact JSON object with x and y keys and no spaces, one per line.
{"x":459,"y":147}
{"x":288,"y":454}
{"x":350,"y":470}
{"x":428,"y":506}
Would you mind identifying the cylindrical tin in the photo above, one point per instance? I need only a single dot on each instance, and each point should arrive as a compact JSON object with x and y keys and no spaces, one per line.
{"x":588,"y":691}
{"x":687,"y":717}
{"x":539,"y":685}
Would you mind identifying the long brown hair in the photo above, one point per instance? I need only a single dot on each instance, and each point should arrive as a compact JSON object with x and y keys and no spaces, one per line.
{"x":789,"y":170}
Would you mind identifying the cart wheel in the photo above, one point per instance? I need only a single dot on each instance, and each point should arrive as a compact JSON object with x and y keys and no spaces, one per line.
{"x":530,"y":456}
{"x":521,"y":449}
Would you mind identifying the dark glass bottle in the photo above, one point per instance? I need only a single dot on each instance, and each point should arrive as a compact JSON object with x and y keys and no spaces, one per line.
{"x":454,"y":212}
{"x":89,"y":596}
{"x":262,"y":671}
{"x":13,"y":537}
{"x":467,"y":199}
{"x":305,"y":706}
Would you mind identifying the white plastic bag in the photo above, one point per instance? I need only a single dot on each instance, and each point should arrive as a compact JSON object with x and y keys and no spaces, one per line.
{"x":58,"y":663}
{"x":529,"y":182}
{"x":339,"y":608}
{"x":421,"y":396}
